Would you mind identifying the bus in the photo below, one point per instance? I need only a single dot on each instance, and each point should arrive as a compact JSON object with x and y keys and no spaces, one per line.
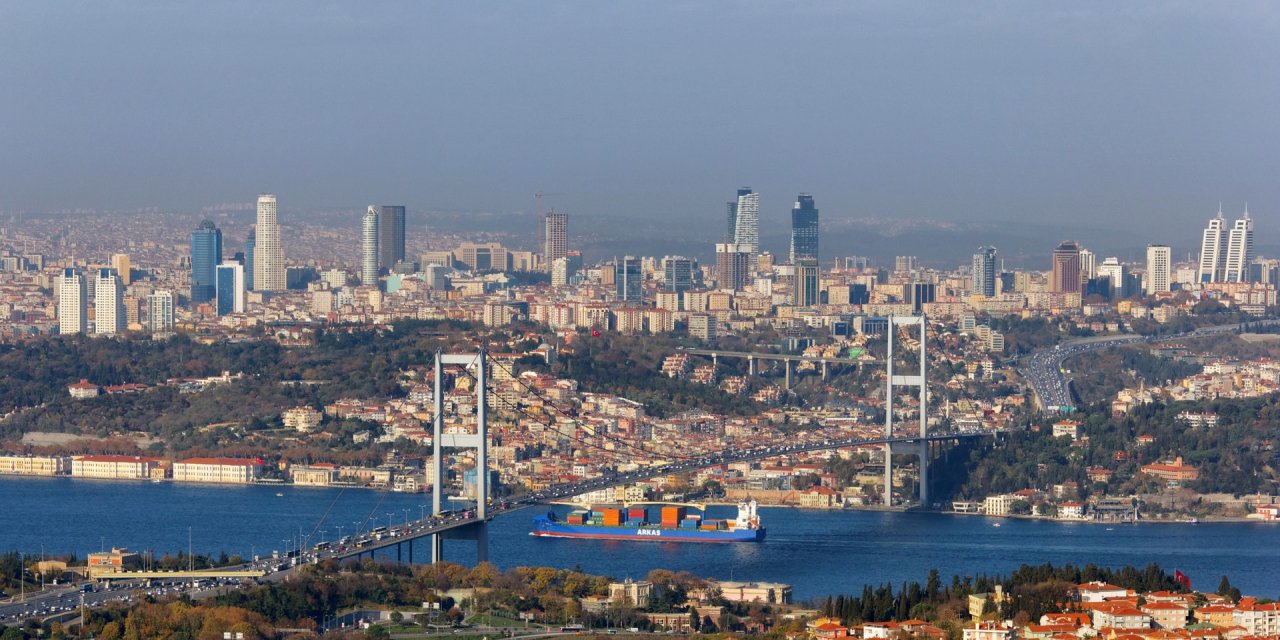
{"x":572,"y":628}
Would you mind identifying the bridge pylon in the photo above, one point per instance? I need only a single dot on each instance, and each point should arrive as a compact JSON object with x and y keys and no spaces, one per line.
{"x":478,"y":441}
{"x":920,"y":380}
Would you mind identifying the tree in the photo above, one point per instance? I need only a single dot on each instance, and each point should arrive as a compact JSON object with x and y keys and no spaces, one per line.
{"x":1227,"y":591}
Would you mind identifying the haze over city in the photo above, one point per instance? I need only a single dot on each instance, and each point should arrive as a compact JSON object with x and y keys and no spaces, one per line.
{"x":1107,"y":116}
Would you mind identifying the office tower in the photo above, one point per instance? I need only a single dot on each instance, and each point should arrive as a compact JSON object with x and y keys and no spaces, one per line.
{"x":560,"y":272}
{"x":230,"y":288}
{"x":677,"y":273}
{"x":268,"y":255}
{"x":1065,"y":274}
{"x":1213,"y":250}
{"x":1239,"y":250}
{"x":804,"y":229}
{"x":1114,"y":272}
{"x":132,"y":309}
{"x":984,"y":272}
{"x":805,"y":293}
{"x":556,"y":228}
{"x":73,"y":303}
{"x":1159,"y":268}
{"x":160,"y":311}
{"x":920,"y":294}
{"x":390,"y":237}
{"x":120,"y":262}
{"x":108,"y":304}
{"x":250,"y":243}
{"x":904,"y":263}
{"x":369,"y":247}
{"x":733,"y":266}
{"x":1088,"y":264}
{"x":206,"y":255}
{"x":628,"y":279}
{"x":746,"y":229}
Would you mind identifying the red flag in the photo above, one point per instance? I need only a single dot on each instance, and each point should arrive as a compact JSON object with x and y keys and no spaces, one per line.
{"x":1183,"y":579}
{"x":595,"y":333}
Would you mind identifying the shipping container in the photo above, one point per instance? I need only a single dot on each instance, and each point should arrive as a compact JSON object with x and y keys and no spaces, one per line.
{"x":672,"y":515}
{"x":637,"y":513}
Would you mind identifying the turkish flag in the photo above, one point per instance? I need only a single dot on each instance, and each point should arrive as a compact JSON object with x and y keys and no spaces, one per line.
{"x":1183,"y":579}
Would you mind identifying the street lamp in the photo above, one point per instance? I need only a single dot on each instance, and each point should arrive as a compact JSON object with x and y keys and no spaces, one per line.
{"x":389,"y":514}
{"x":406,"y":516}
{"x":339,"y":527}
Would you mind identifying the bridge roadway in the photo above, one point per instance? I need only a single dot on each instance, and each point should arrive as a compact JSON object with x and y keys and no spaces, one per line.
{"x":769,"y":356}
{"x":443,"y":525}
{"x":1043,"y":369}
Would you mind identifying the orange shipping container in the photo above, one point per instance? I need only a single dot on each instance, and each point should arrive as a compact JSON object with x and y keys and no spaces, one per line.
{"x":672,"y":515}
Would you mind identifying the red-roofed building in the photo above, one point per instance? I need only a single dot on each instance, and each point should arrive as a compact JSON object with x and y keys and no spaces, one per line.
{"x":1167,"y":615}
{"x":1174,"y":471}
{"x":83,"y":389}
{"x":113,"y":467}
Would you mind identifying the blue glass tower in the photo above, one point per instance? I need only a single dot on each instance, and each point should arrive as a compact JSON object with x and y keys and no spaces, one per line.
{"x":206,"y":255}
{"x":249,"y":244}
{"x":804,"y":229}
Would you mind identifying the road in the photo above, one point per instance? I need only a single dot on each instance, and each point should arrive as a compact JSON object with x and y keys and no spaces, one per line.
{"x":1044,"y":369}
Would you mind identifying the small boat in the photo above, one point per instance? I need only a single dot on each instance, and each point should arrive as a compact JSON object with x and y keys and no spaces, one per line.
{"x":279,"y":494}
{"x":995,"y":524}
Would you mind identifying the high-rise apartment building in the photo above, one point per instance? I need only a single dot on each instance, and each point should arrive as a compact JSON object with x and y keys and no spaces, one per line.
{"x":556,"y":229}
{"x":628,"y":279}
{"x":390,"y":237}
{"x":903,"y":264}
{"x":268,"y":255}
{"x":677,"y":273}
{"x":1065,"y":274}
{"x":120,"y":262}
{"x":1213,"y":250}
{"x":746,"y":230}
{"x":108,"y":304}
{"x":73,"y":303}
{"x":804,"y":229}
{"x":984,"y":272}
{"x":806,"y":291}
{"x":1159,"y":268}
{"x":1239,"y":250}
{"x":206,"y":255}
{"x":733,"y":266}
{"x":369,"y":247}
{"x":160,"y":311}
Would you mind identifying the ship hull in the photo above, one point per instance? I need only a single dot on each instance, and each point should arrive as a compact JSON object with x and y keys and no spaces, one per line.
{"x":546,"y":528}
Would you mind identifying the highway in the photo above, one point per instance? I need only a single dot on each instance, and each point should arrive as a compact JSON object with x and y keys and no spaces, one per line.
{"x":1043,"y":369}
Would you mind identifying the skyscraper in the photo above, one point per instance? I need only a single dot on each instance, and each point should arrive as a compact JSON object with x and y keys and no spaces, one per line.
{"x":160,"y":311}
{"x":746,"y":230}
{"x":1088,"y":264}
{"x":1115,"y":273}
{"x":556,"y":227}
{"x":1213,"y":250}
{"x":369,"y":247}
{"x":120,"y":262}
{"x":731,"y":218}
{"x":984,"y":272}
{"x":230,"y":288}
{"x":804,"y":229}
{"x":390,"y":236}
{"x":628,"y":279}
{"x":677,"y":273}
{"x":733,"y":266}
{"x":73,"y":303}
{"x":1065,"y":276}
{"x":250,"y":243}
{"x":805,"y":293}
{"x":206,"y":255}
{"x":1239,"y":250}
{"x":1159,"y":268}
{"x":268,"y":255}
{"x":108,"y":304}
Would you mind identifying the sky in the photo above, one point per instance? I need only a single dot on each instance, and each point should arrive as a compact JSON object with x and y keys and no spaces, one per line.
{"x":1111,"y":114}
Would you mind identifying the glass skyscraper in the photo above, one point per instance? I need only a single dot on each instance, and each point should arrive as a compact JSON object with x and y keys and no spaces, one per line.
{"x":628,"y":278}
{"x":984,"y":272}
{"x":206,"y":255}
{"x":230,"y":289}
{"x":249,"y":244}
{"x":804,"y":229}
{"x":390,"y":236}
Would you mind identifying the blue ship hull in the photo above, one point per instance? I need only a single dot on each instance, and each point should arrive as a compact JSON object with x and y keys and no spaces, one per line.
{"x":546,"y":527}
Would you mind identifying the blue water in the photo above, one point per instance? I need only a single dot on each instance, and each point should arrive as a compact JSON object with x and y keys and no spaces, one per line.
{"x":816,"y":552}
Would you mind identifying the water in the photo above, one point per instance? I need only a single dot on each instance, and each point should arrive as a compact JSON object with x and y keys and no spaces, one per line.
{"x":816,"y":552}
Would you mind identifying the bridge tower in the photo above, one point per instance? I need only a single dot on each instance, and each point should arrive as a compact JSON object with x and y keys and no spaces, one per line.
{"x":478,"y":441}
{"x":920,"y":380}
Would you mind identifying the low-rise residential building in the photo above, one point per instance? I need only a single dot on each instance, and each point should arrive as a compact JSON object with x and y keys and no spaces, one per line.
{"x":820,"y":498}
{"x":990,"y":631}
{"x":629,"y":592}
{"x":1257,"y":619}
{"x":1119,"y":615}
{"x":303,"y":419}
{"x":1167,"y":615}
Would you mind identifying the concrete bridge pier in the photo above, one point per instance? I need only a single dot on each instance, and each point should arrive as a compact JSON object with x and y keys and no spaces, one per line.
{"x":751,"y":366}
{"x":437,"y":548}
{"x":826,"y":370}
{"x":715,"y":361}
{"x":786,"y":364}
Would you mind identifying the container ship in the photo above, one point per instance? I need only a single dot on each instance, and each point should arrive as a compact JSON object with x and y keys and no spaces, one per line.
{"x":674,"y":523}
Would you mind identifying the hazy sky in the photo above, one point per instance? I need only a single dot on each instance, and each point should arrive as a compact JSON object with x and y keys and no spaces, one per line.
{"x":1101,"y":113}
